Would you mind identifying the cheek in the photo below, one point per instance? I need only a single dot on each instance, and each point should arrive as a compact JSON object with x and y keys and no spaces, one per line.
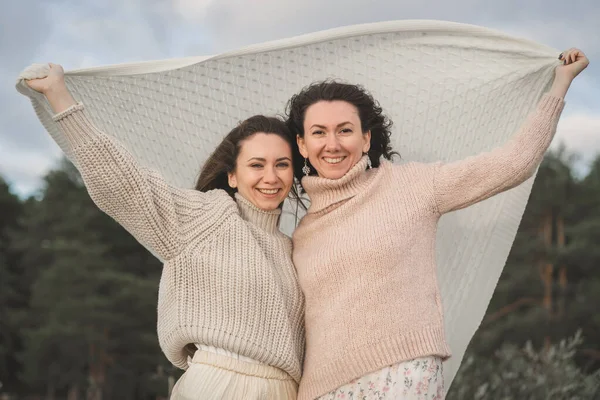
{"x":287,"y":177}
{"x":246,"y":178}
{"x":354,"y":144}
{"x":311,"y":145}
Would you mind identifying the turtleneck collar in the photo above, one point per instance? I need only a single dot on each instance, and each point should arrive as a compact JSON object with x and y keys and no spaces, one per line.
{"x":325,"y":192}
{"x":267,"y":220}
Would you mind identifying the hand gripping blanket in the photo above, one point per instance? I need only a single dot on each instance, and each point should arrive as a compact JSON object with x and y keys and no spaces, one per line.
{"x":452,"y":90}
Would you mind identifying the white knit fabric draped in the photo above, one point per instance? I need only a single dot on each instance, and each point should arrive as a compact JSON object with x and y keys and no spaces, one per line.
{"x":452,"y":90}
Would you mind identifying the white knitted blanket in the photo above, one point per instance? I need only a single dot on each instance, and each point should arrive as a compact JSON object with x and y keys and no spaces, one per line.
{"x":452,"y":90}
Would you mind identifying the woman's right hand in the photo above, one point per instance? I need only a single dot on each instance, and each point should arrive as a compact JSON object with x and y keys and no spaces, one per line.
{"x":55,"y":80}
{"x":54,"y":88}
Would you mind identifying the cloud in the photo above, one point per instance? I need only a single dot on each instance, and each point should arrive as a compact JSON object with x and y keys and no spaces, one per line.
{"x":192,"y":10}
{"x":75,"y":35}
{"x":236,"y":23}
{"x":579,"y":133}
{"x":24,"y":26}
{"x":100,"y":32}
{"x":24,"y":169}
{"x":233,"y":25}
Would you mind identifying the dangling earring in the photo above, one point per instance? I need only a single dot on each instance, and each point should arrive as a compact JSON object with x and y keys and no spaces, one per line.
{"x":369,"y":165}
{"x":306,"y":168}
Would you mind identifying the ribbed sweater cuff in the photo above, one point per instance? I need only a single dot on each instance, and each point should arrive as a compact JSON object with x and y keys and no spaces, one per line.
{"x":551,"y":104}
{"x":541,"y":127}
{"x":541,"y":131}
{"x":77,"y":128}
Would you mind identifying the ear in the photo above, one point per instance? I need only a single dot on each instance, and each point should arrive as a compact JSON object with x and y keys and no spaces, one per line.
{"x":367,"y":142}
{"x":232,"y":180}
{"x":302,"y":146}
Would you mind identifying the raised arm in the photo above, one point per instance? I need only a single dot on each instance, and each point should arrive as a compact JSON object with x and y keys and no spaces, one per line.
{"x":462,"y":183}
{"x":137,"y":198}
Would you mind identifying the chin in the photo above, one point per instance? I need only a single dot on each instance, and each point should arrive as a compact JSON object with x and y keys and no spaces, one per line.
{"x":270,"y":205}
{"x":334,"y":174}
{"x":336,"y":171}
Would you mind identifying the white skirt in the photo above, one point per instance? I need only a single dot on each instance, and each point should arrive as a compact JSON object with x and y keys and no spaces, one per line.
{"x":418,"y":379}
{"x":212,"y":376}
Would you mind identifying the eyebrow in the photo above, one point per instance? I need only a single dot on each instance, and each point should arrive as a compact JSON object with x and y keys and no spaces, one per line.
{"x":264,"y":160}
{"x":338,"y":125}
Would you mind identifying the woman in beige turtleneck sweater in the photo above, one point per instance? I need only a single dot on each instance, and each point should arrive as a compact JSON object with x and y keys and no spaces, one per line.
{"x":230,"y":310}
{"x":365,"y":251}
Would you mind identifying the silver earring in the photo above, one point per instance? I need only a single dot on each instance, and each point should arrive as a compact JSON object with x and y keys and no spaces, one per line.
{"x":306,"y":168}
{"x":369,"y":165}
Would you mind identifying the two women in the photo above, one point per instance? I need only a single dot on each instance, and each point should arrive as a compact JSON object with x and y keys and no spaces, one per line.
{"x":364,"y":253}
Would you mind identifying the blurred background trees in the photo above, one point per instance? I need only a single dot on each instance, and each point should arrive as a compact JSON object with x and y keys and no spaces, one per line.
{"x":78,"y":299}
{"x":540,"y":338}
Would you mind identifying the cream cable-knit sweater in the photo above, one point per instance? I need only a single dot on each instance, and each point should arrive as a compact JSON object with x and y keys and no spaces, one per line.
{"x":365,"y":253}
{"x":228,"y":279}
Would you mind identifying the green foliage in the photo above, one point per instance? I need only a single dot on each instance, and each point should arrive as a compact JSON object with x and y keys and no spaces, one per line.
{"x":78,"y":299}
{"x":526,"y":373}
{"x":533,"y":309}
{"x":10,"y":296}
{"x":87,"y":291}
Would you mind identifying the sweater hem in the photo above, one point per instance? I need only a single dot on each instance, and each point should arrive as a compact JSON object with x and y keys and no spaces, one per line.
{"x":174,"y":344}
{"x":367,"y":359}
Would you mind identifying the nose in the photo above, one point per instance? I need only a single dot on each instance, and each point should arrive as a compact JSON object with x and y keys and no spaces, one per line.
{"x":270,"y":175}
{"x":332,"y":143}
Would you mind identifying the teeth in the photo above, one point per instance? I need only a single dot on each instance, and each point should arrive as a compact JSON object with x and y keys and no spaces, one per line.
{"x":333,"y":160}
{"x":268,"y":191}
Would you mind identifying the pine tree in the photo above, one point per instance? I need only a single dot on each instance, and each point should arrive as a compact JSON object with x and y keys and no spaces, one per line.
{"x":11,"y":299}
{"x":91,"y":323}
{"x":550,"y":286}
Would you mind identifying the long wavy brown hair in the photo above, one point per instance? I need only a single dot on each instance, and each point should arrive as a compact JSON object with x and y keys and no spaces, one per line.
{"x":222,"y":161}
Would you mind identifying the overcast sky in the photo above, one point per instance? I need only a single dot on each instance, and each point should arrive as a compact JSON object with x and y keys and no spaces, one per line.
{"x":87,"y":33}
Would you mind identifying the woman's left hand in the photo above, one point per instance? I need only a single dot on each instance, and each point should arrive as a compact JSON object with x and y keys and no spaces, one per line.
{"x":573,"y":62}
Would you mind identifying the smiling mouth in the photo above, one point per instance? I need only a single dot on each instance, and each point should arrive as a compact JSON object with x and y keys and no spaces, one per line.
{"x":332,"y":160}
{"x":269,"y":192}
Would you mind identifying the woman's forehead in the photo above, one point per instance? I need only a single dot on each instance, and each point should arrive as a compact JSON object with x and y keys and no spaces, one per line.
{"x":331,"y":112}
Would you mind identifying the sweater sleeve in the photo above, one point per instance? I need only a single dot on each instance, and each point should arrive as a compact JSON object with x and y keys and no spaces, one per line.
{"x":161,"y":217}
{"x":462,"y":183}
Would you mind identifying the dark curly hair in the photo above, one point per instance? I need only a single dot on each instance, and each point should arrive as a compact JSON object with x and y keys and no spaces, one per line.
{"x":369,"y":111}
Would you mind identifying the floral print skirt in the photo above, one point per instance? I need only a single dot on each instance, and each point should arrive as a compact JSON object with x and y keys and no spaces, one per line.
{"x":418,"y":379}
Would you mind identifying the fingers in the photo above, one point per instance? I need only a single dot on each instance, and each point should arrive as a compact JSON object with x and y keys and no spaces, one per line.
{"x":56,"y":69}
{"x":565,"y":56}
{"x":572,"y":55}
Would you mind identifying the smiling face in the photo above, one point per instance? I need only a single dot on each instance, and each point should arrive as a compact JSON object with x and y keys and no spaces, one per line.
{"x":263,"y":173}
{"x":333,"y":138}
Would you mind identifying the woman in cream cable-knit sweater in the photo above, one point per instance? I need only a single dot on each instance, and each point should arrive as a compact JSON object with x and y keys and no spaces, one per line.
{"x":365,"y":251}
{"x":228,"y":286}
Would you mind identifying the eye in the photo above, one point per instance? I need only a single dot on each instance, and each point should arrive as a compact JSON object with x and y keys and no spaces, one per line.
{"x":256,"y":165}
{"x":283,"y":164}
{"x":318,"y":132}
{"x":346,"y":130}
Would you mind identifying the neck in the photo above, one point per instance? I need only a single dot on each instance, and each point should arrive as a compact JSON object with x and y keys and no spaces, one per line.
{"x":268,"y":220}
{"x":325,"y":192}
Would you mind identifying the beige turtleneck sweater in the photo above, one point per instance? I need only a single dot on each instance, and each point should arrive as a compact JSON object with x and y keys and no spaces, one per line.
{"x":365,"y":253}
{"x":228,"y":280}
